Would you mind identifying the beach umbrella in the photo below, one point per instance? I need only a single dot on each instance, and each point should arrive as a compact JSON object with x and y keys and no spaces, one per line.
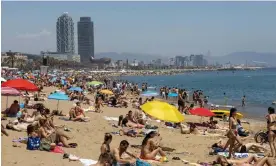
{"x":202,"y":112}
{"x":58,"y":96}
{"x":107,"y":92}
{"x":163,"y":111}
{"x":8,"y":91}
{"x":94,"y":83}
{"x":3,"y":79}
{"x":20,"y":84}
{"x":149,"y":93}
{"x":76,"y":89}
{"x":172,"y":95}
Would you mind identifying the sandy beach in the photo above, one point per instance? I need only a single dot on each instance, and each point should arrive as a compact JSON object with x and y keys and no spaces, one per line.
{"x":89,"y":136}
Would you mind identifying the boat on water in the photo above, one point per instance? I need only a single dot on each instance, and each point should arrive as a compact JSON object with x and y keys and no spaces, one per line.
{"x":225,"y":113}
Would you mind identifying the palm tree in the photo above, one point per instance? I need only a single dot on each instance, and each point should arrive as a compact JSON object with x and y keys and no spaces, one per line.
{"x":10,"y":59}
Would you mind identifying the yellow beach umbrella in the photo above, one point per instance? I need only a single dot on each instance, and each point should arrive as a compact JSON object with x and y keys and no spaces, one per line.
{"x":162,"y":111}
{"x":106,"y":91}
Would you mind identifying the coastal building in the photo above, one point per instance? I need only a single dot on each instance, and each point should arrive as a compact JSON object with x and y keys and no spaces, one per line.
{"x":62,"y":56}
{"x":85,"y":39}
{"x":13,"y":59}
{"x":65,"y":34}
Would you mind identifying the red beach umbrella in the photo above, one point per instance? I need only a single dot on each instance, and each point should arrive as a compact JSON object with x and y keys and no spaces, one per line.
{"x":20,"y":84}
{"x":202,"y":112}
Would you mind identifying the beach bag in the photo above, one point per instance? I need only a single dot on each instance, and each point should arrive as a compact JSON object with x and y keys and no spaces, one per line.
{"x":33,"y":143}
{"x":45,"y":145}
{"x":141,"y":163}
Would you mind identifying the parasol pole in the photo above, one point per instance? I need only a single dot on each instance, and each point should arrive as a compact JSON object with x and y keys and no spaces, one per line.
{"x":57,"y":104}
{"x":7,"y":101}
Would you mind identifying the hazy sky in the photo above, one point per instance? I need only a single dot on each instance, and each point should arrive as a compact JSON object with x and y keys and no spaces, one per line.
{"x":166,"y":28}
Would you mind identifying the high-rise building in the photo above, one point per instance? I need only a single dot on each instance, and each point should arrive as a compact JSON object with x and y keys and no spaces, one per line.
{"x":85,"y":39}
{"x":65,"y":34}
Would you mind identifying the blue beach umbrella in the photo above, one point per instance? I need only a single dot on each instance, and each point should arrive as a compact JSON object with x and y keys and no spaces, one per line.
{"x":76,"y":89}
{"x":58,"y":96}
{"x":172,"y":95}
{"x":150,"y":93}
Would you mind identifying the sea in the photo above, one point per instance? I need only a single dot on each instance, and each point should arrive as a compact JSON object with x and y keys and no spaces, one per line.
{"x":259,"y":87}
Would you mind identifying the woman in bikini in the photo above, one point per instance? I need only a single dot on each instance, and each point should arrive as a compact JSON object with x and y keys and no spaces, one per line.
{"x":232,"y":133}
{"x":151,"y":148}
{"x":49,"y":136}
{"x":271,"y":126}
{"x":105,"y":148}
{"x":77,"y":113}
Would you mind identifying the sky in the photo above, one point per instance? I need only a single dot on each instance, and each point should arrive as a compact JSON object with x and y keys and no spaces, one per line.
{"x":163,"y":28}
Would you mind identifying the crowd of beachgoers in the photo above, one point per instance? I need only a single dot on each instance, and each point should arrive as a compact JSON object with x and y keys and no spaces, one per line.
{"x":147,"y":124}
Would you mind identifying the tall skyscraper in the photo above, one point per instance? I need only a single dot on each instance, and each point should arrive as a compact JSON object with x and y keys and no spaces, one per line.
{"x":65,"y":34}
{"x":85,"y":39}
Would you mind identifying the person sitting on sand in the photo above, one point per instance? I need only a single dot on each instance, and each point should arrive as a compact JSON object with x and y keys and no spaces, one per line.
{"x":150,"y":148}
{"x":105,"y":159}
{"x":33,"y":142}
{"x":249,"y":161}
{"x":77,"y":113}
{"x":98,"y":104}
{"x":118,"y":153}
{"x":13,"y":110}
{"x":105,"y":148}
{"x":241,"y":131}
{"x":50,"y":137}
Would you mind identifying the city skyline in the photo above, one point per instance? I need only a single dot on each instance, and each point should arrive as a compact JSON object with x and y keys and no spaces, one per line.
{"x":164,"y":28}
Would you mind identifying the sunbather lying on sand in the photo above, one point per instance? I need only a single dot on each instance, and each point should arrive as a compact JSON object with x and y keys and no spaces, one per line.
{"x":17,"y":126}
{"x":131,"y":133}
{"x":191,"y":130}
{"x":3,"y":130}
{"x":249,"y":161}
{"x":242,"y":148}
{"x":124,"y":122}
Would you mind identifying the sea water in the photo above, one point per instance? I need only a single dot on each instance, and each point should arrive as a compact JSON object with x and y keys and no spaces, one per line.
{"x":259,"y":87}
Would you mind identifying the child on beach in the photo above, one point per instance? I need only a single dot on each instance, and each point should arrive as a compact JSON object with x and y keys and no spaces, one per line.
{"x":33,"y":142}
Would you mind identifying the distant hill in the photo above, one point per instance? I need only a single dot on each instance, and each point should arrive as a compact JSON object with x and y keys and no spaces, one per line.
{"x":245,"y":57}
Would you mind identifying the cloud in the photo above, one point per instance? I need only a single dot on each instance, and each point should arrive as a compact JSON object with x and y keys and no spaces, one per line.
{"x":28,"y":35}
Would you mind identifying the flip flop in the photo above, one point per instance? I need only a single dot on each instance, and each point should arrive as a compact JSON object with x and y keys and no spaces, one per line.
{"x":176,"y":158}
{"x":73,"y":145}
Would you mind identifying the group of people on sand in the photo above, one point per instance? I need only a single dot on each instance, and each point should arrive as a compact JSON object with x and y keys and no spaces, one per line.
{"x":150,"y":148}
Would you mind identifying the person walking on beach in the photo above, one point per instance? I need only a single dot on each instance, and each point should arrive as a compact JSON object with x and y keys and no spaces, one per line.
{"x":271,"y":126}
{"x":243,"y":101}
{"x":232,"y":133}
{"x":225,"y":99}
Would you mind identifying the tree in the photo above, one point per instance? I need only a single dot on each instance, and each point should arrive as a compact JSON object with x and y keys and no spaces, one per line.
{"x":10,"y":60}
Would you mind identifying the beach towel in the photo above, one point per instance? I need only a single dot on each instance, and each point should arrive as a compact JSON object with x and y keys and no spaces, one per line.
{"x":111,"y":118}
{"x":64,"y":118}
{"x":141,"y":163}
{"x":237,"y":155}
{"x":58,"y":149}
{"x":87,"y":162}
